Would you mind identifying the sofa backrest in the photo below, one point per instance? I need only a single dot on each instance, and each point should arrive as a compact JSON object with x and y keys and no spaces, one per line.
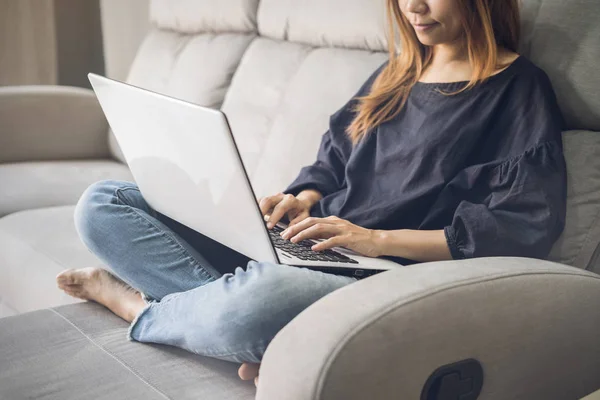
{"x":563,"y":38}
{"x":280,"y":68}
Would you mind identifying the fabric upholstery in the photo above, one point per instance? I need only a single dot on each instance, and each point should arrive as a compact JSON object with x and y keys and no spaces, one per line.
{"x":594,"y":265}
{"x":80,"y":352}
{"x":581,"y":236}
{"x":6,"y":310}
{"x":593,"y":396}
{"x":273,"y":109}
{"x":52,"y":183}
{"x":361,"y":24}
{"x":131,"y":16}
{"x":563,"y":38}
{"x":195,"y":68}
{"x":533,"y":326}
{"x":192,"y":16}
{"x":35,"y":246}
{"x":50,"y":123}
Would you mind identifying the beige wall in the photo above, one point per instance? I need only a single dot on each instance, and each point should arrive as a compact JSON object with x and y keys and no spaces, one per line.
{"x":49,"y":41}
{"x":27,"y":42}
{"x":60,"y":41}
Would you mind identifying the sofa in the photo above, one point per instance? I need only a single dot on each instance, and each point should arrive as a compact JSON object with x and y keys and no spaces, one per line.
{"x":513,"y":328}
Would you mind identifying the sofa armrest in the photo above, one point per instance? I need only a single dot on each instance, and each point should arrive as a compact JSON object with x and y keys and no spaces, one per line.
{"x":533,"y":325}
{"x":51,"y":123}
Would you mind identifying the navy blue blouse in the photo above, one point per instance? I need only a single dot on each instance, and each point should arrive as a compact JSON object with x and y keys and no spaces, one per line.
{"x":486,"y":166}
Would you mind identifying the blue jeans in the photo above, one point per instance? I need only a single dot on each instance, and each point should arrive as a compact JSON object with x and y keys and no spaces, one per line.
{"x":191,"y":304}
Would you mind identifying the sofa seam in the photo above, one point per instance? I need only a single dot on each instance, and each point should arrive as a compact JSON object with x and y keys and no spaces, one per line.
{"x":325,"y":369}
{"x":112,"y":355}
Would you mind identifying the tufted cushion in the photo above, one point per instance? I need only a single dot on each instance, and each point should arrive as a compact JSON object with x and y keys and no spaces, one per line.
{"x":581,"y":236}
{"x":280,"y":102}
{"x":358,"y":24}
{"x":563,"y":38}
{"x":256,"y":93}
{"x":193,"y":16}
{"x":195,"y":68}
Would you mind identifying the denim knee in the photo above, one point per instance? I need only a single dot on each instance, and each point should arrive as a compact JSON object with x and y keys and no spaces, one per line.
{"x":261,"y":301}
{"x":94,"y":207}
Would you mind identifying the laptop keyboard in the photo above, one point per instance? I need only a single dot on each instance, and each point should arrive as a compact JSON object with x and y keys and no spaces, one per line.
{"x":303,"y":251}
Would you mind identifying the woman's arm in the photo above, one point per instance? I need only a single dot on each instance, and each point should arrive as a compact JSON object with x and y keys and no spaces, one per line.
{"x":423,"y":246}
{"x":410,"y":244}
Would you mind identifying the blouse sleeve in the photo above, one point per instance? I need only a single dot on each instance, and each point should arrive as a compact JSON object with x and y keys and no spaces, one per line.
{"x":327,"y":174}
{"x":515,"y":209}
{"x":515,"y":206}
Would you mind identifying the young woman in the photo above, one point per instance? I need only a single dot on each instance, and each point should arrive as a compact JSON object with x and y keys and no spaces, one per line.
{"x":452,"y":149}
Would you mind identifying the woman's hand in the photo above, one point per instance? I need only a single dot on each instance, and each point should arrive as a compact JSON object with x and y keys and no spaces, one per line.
{"x":338,"y":232}
{"x":297,"y":208}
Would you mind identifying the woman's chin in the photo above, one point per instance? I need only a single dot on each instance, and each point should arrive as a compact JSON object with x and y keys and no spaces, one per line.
{"x":427,"y":40}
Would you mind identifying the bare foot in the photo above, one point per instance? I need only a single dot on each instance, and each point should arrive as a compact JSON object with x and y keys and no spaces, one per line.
{"x":100,"y":286}
{"x":249,"y":371}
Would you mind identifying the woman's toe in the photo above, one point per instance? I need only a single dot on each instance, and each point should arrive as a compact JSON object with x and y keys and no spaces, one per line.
{"x":248,"y":371}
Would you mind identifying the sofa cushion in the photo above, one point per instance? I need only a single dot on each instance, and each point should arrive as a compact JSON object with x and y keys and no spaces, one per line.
{"x":581,"y":236}
{"x":196,"y":68}
{"x":53,"y":183}
{"x":192,"y":16}
{"x":356,"y":24}
{"x":280,"y":101}
{"x":6,"y":310}
{"x":35,"y":246}
{"x":81,"y":352}
{"x":563,"y":38}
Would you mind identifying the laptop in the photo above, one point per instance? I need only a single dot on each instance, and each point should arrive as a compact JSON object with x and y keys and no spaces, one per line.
{"x":186,"y":163}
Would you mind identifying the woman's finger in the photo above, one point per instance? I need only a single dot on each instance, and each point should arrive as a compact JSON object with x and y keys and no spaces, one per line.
{"x":266,"y":204}
{"x":299,"y":217}
{"x":335,"y":241}
{"x":286,"y":203}
{"x":306,"y":223}
{"x":317,"y":231}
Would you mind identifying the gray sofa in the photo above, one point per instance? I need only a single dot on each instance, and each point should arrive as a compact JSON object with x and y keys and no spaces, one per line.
{"x":279,"y":68}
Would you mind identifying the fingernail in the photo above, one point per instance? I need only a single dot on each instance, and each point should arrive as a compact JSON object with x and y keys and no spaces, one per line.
{"x":270,"y":225}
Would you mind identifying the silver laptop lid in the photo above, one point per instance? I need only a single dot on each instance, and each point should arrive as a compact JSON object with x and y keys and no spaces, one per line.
{"x":185,"y":162}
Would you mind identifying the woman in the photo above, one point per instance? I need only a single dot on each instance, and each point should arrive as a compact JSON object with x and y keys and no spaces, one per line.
{"x":450,"y":150}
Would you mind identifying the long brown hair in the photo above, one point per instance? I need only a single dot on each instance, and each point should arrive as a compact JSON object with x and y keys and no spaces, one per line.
{"x":488,"y":26}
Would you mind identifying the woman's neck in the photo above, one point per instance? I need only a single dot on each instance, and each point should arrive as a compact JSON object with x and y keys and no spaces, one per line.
{"x":450,"y":53}
{"x":449,"y":63}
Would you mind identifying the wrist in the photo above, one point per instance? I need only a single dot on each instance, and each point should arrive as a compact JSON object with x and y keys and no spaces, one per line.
{"x":380,"y":242}
{"x":309,"y":197}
